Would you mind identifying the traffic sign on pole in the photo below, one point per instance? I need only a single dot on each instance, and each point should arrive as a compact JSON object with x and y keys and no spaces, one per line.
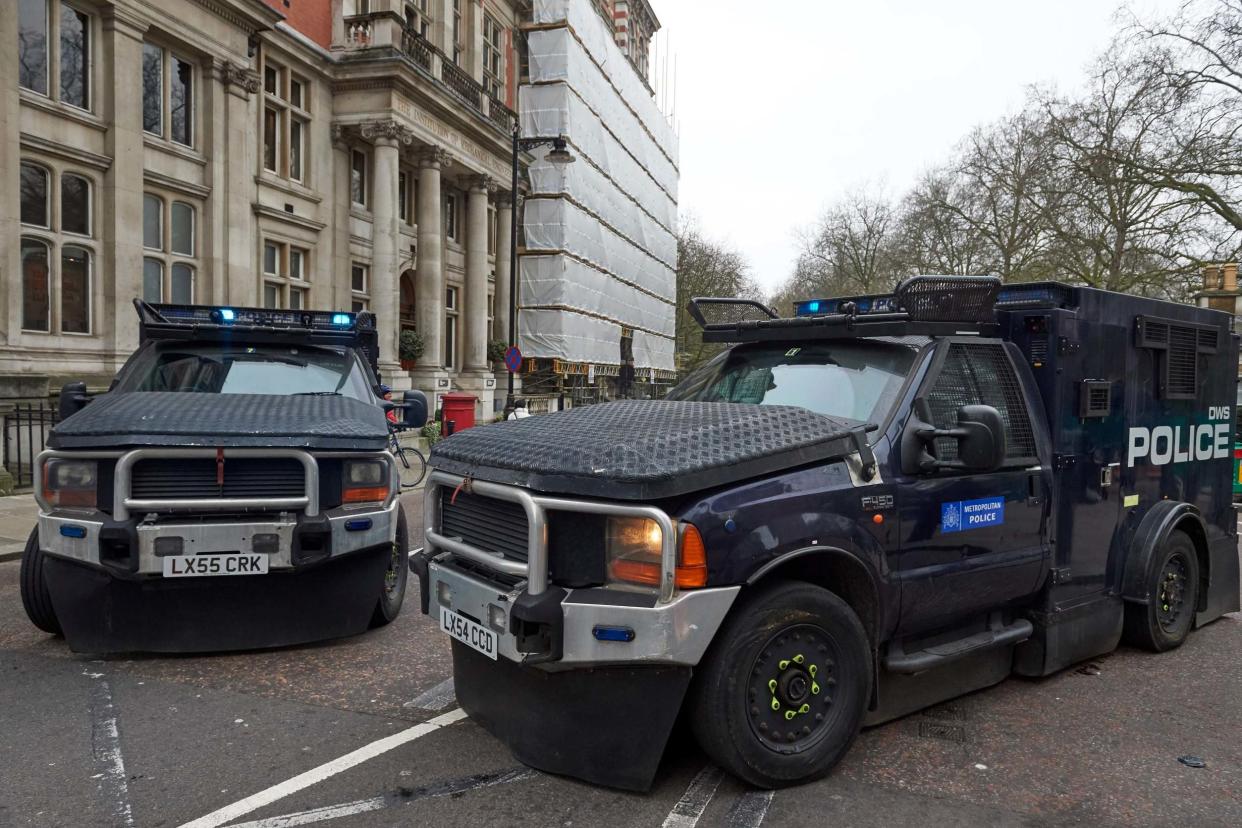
{"x":513,"y":359}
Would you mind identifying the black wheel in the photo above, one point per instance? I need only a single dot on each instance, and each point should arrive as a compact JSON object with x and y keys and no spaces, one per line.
{"x":411,"y":466}
{"x":395,"y":576}
{"x":781,"y":693}
{"x":1172,"y":589}
{"x":35,"y":597}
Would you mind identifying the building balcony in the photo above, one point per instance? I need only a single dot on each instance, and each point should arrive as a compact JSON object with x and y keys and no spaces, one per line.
{"x":385,"y":32}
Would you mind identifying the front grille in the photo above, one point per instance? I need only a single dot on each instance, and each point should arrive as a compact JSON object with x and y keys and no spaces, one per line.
{"x":249,"y":477}
{"x":487,"y":523}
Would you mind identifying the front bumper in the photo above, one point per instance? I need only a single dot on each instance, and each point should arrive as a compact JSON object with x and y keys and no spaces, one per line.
{"x":676,"y":633}
{"x":325,"y":577}
{"x":128,"y":548}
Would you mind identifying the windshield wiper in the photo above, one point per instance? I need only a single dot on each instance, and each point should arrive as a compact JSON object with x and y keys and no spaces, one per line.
{"x":268,"y":358}
{"x":315,"y":394}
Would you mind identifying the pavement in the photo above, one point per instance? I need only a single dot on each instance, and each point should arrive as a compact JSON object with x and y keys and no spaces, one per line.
{"x":365,"y":731}
{"x":17,"y":517}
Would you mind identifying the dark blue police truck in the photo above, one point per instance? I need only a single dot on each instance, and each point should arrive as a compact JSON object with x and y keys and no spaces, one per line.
{"x":242,"y":442}
{"x":878,"y":504}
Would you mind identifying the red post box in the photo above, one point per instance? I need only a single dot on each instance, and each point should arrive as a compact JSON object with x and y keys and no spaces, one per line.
{"x":459,"y":408}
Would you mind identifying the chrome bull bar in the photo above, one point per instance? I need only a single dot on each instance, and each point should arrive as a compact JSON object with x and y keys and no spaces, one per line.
{"x":535,"y":568}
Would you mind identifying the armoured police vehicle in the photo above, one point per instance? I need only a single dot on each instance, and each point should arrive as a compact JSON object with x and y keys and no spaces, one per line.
{"x":878,"y":504}
{"x":231,"y":490}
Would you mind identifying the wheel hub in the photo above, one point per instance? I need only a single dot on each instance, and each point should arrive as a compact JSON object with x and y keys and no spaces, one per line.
{"x":1171,"y":592}
{"x":790,"y":695}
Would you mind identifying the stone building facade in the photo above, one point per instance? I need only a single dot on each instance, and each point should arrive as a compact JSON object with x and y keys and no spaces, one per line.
{"x":1221,"y":291}
{"x":283,"y":153}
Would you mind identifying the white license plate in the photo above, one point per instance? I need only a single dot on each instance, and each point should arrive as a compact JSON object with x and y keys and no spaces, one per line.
{"x":192,"y":566}
{"x":473,"y":635}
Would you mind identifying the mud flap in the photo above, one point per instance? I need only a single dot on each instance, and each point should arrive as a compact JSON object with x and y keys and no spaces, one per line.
{"x":102,"y":613}
{"x":605,"y":725}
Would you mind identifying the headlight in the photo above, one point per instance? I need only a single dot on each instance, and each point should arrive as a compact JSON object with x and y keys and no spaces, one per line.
{"x":70,"y":482}
{"x":634,"y":550}
{"x":364,"y":481}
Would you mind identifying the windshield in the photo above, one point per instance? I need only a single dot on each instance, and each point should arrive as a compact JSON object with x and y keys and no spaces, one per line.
{"x":240,"y":369}
{"x":854,"y":379}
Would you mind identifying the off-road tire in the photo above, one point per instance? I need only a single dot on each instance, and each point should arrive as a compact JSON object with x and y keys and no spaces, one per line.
{"x":734,"y":716}
{"x":35,"y":597}
{"x":390,"y":599}
{"x":1165,"y":620}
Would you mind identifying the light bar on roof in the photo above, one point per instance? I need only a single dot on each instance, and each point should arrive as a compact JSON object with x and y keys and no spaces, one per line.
{"x":265,"y":317}
{"x":862,"y":305}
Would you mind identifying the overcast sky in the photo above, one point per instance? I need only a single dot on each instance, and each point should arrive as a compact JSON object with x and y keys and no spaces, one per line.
{"x":785,"y":105}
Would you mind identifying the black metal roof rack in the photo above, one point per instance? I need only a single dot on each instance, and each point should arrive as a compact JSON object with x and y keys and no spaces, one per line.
{"x":259,"y":326}
{"x":920,"y":306}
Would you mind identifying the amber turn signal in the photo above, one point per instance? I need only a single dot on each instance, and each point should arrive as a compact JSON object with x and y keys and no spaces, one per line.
{"x":366,"y":494}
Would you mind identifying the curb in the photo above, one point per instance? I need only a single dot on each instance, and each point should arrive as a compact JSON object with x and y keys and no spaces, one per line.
{"x":5,"y":557}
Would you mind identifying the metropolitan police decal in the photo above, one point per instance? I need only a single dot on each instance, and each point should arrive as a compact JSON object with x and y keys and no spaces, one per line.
{"x":964,"y":515}
{"x":1182,"y":443}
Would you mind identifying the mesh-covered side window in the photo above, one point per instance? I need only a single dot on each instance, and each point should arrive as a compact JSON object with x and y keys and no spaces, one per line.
{"x":980,"y":374}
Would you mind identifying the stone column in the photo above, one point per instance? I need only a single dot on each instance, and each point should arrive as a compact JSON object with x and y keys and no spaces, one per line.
{"x":504,"y":231}
{"x":476,"y":274}
{"x":239,"y":276}
{"x":341,"y":271}
{"x":10,"y":191}
{"x":121,"y":196}
{"x":429,"y":275}
{"x":386,"y":136}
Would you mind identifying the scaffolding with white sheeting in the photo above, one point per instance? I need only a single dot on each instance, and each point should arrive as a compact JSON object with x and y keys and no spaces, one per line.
{"x":597,"y":273}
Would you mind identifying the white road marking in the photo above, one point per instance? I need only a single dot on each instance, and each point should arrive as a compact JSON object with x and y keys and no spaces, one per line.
{"x":694,"y":801}
{"x":437,"y":698}
{"x":750,"y":809}
{"x":315,"y":775}
{"x":376,"y":803}
{"x":106,"y":750}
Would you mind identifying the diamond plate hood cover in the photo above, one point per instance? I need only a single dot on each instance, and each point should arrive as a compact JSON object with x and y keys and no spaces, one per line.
{"x":644,"y":449}
{"x":167,"y":418}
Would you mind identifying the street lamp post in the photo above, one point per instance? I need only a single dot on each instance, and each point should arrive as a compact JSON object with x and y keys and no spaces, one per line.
{"x":559,"y":155}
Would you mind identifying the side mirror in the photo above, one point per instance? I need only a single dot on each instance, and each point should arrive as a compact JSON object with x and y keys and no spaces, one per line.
{"x":981,"y":444}
{"x":73,"y":398}
{"x":414,"y":409}
{"x":980,"y":436}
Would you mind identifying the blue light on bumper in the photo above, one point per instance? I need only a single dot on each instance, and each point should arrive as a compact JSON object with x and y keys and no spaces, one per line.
{"x":71,"y":531}
{"x":358,"y":525}
{"x":622,"y":634}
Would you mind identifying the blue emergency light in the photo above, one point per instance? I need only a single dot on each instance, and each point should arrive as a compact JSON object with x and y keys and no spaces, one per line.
{"x":621,"y":634}
{"x":71,"y":531}
{"x":227,"y":315}
{"x":815,"y":307}
{"x":341,"y":319}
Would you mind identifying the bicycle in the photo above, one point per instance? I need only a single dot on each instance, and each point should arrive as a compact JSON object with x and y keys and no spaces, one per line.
{"x":411,"y":464}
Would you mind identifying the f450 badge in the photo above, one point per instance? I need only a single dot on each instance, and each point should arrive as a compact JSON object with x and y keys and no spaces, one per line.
{"x":1182,"y":443}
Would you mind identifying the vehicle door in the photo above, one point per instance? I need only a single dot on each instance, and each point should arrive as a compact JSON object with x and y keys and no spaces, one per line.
{"x":971,"y":541}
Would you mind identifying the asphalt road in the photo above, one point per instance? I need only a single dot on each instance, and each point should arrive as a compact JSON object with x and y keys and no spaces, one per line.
{"x":365,"y":732}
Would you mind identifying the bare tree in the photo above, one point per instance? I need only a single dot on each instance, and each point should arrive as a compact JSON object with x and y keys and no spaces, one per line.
{"x":996,"y":177}
{"x":846,"y":250}
{"x":1197,"y":55}
{"x":705,"y":267}
{"x":1113,"y":226}
{"x":933,"y":236}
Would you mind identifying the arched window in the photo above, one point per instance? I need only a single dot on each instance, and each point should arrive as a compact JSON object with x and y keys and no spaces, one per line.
{"x":152,"y":280}
{"x":75,"y":204}
{"x":36,"y":286}
{"x":182,"y":284}
{"x":75,"y":289}
{"x":182,"y":228}
{"x":152,"y":222}
{"x":34,"y":190}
